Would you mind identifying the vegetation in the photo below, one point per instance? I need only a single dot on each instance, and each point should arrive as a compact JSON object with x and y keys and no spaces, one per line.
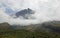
{"x":7,"y":31}
{"x":21,"y":33}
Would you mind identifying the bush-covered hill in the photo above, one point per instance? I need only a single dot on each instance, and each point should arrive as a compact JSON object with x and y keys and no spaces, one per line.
{"x":45,"y":30}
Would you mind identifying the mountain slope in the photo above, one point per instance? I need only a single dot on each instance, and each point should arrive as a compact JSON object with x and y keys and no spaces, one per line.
{"x":47,"y":26}
{"x":52,"y":25}
{"x":25,"y":13}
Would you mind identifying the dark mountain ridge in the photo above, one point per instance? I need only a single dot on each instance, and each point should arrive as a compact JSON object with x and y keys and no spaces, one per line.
{"x":47,"y":26}
{"x":25,"y":13}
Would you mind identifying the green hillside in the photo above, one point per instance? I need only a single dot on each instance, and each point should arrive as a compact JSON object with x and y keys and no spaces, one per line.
{"x":35,"y":31}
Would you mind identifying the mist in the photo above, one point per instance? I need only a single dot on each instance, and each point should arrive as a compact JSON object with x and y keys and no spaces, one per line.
{"x":45,"y":10}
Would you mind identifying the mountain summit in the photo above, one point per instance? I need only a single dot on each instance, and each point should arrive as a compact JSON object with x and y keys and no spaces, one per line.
{"x":25,"y":13}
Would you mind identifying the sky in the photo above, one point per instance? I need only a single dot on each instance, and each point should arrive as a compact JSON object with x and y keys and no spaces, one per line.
{"x":45,"y":10}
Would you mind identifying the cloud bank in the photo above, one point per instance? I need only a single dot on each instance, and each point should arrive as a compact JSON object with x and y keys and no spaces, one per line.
{"x":45,"y":10}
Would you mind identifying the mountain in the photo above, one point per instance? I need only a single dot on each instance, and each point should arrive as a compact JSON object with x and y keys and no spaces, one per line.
{"x":4,"y":26}
{"x":25,"y":13}
{"x":52,"y":25}
{"x":31,"y":31}
{"x":46,"y":26}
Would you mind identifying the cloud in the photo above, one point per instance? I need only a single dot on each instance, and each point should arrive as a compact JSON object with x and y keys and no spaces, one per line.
{"x":45,"y":10}
{"x":15,"y":21}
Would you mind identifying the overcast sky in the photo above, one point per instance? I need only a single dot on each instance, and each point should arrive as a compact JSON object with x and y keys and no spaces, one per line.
{"x":45,"y":10}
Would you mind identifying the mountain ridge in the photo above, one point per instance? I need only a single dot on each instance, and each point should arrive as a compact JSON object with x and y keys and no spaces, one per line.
{"x":25,"y":13}
{"x":48,"y":26}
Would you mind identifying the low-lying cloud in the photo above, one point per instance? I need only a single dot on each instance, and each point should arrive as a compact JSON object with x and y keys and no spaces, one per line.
{"x":45,"y":10}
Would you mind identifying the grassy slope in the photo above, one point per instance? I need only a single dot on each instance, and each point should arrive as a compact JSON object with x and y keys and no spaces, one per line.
{"x":7,"y":32}
{"x":28,"y":34}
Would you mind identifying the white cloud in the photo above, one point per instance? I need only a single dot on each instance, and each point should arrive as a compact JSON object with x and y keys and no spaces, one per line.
{"x":45,"y":10}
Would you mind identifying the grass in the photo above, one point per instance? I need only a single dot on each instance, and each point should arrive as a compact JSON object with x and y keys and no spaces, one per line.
{"x":27,"y":34}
